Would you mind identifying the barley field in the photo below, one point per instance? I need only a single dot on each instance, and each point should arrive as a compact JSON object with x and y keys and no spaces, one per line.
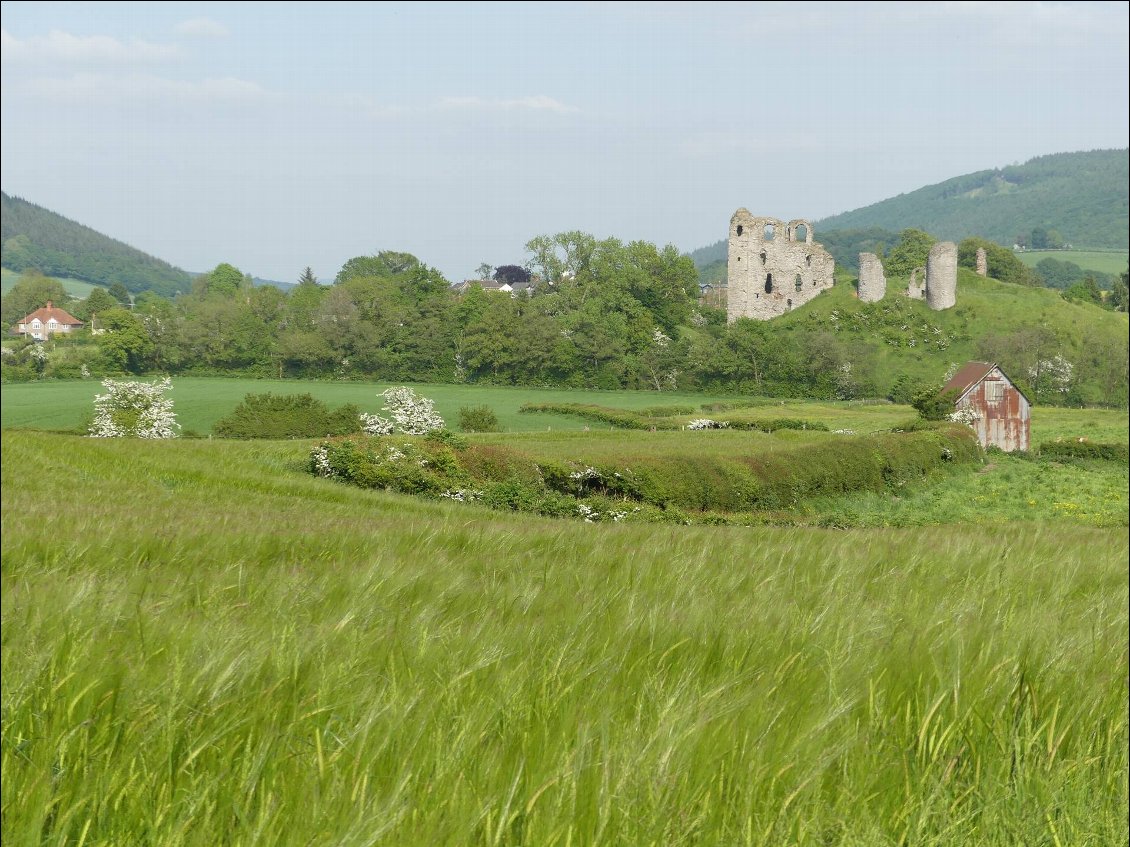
{"x":203,"y":644}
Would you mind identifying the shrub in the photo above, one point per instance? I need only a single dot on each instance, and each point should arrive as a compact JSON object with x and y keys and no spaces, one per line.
{"x":1085,"y":450}
{"x":134,"y":409}
{"x":287,"y":416}
{"x":934,"y":405}
{"x":478,"y":419}
{"x":411,"y":413}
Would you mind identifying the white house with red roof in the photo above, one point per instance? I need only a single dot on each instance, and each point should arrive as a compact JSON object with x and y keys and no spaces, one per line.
{"x":47,"y":321}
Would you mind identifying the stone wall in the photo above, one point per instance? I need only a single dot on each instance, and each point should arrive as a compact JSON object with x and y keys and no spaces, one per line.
{"x":941,"y":276}
{"x":916,"y":289}
{"x":773,"y":267}
{"x":872,"y":280}
{"x":982,"y":262}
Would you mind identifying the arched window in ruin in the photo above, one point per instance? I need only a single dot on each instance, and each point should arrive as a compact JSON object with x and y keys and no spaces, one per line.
{"x":802,"y":233}
{"x":763,"y":257}
{"x":769,"y":232}
{"x":799,"y":283}
{"x":739,"y":229}
{"x":768,"y":283}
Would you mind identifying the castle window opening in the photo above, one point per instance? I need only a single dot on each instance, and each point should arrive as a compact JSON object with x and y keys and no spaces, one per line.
{"x":802,"y":233}
{"x":763,"y":257}
{"x":768,"y":283}
{"x":808,"y":260}
{"x":790,"y":303}
{"x":768,"y":232}
{"x":799,"y":283}
{"x":739,"y":229}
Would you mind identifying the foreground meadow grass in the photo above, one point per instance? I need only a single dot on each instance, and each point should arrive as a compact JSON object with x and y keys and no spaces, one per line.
{"x":204,"y":645}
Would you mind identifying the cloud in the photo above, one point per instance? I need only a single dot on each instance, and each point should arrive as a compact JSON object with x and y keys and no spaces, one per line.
{"x":58,"y":46}
{"x":87,"y":87}
{"x":202,"y":28}
{"x":536,"y":103}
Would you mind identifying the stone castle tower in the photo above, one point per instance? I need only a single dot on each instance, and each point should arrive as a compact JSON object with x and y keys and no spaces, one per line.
{"x":773,"y":267}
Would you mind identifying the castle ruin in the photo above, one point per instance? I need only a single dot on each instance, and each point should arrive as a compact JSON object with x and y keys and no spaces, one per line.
{"x":938,"y":288}
{"x":941,"y":276}
{"x":773,"y":267}
{"x":872,"y":280}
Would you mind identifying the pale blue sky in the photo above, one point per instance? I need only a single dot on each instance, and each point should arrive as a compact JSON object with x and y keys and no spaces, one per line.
{"x":280,"y":135}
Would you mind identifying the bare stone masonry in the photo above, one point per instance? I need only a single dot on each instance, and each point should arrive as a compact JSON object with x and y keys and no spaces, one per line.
{"x":941,"y":276}
{"x":982,"y":262}
{"x":872,"y":281}
{"x":773,"y":267}
{"x":916,"y":290}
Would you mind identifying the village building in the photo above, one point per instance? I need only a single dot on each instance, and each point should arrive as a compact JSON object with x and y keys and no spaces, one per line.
{"x":47,"y":321}
{"x":998,"y":411}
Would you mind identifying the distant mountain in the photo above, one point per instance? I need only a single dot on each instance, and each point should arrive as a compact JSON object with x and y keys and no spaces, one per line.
{"x":34,"y":237}
{"x":1082,"y":196}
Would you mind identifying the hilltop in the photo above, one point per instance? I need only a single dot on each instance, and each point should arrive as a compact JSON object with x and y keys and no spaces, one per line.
{"x":35,"y":237}
{"x":1083,"y":197}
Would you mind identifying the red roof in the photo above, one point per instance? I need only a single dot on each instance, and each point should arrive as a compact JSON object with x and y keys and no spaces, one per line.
{"x":971,"y":374}
{"x":46,"y":313}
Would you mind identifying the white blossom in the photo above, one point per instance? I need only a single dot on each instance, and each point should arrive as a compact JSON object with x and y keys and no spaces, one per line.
{"x":660,"y":339}
{"x":134,"y":409}
{"x":38,"y":353}
{"x":965,"y":415}
{"x":411,"y":413}
{"x":707,"y":423}
{"x":376,"y":425}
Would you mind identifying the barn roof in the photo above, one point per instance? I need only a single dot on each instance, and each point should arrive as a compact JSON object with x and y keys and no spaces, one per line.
{"x":971,"y":374}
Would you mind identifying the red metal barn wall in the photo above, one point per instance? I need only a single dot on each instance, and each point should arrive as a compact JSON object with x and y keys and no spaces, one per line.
{"x":1004,"y":413}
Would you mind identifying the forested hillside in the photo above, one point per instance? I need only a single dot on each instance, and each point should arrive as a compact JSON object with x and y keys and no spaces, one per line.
{"x":1073,"y":198}
{"x":1066,"y":198}
{"x":34,"y":237}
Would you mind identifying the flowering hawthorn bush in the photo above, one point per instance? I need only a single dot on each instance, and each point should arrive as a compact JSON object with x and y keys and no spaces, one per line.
{"x":411,"y":414}
{"x":134,"y":409}
{"x":707,"y":423}
{"x":965,"y":415}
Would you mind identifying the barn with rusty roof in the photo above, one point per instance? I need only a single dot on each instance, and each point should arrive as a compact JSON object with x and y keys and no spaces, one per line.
{"x":996,"y":409}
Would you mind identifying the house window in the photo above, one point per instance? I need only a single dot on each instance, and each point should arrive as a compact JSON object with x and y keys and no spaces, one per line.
{"x":994,"y":391}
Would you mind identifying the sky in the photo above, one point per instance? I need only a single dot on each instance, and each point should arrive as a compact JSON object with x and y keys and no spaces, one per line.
{"x":277,"y":136}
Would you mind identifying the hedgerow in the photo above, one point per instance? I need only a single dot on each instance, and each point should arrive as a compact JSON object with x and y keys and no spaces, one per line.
{"x":672,"y":488}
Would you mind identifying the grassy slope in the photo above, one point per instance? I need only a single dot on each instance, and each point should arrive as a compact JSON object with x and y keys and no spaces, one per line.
{"x":1107,"y":262}
{"x":74,"y":287}
{"x":984,"y":306}
{"x":204,"y":645}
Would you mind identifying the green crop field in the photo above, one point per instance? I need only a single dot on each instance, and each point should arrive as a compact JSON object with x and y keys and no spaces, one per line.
{"x":200,"y":402}
{"x":205,"y":644}
{"x":1106,"y":261}
{"x":74,"y":287}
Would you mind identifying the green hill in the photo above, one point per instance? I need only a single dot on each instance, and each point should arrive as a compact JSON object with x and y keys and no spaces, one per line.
{"x":34,"y":237}
{"x":1019,"y":326}
{"x":1081,"y":196}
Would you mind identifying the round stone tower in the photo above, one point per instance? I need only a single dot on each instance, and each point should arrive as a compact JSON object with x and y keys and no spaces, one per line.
{"x":941,"y":276}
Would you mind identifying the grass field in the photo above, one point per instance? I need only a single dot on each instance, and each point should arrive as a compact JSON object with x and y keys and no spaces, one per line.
{"x":1107,"y":262}
{"x":201,"y":402}
{"x":74,"y":287}
{"x":204,"y":644}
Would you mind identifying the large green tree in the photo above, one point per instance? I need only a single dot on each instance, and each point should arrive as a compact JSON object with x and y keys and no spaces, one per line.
{"x":911,"y":251}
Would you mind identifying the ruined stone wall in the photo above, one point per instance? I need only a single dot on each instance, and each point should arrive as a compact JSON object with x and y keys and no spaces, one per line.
{"x":941,"y":276}
{"x":773,"y":267}
{"x":982,"y":262}
{"x":872,"y":280}
{"x":916,"y":288}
